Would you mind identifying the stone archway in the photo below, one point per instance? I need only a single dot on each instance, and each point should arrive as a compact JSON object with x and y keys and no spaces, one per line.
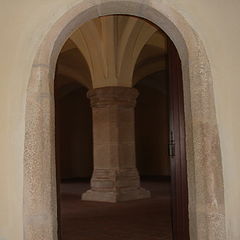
{"x":205,"y":181}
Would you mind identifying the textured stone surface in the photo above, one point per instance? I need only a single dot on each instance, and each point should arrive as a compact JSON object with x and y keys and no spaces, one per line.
{"x":205,"y":181}
{"x":115,"y":177}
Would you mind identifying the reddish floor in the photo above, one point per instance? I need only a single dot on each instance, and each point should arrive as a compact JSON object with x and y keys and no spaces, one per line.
{"x":134,"y":220}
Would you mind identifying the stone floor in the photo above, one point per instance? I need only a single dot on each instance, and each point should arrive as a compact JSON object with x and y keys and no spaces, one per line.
{"x":134,"y":220}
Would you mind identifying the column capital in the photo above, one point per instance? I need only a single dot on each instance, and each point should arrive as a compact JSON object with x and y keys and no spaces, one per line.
{"x":113,"y":96}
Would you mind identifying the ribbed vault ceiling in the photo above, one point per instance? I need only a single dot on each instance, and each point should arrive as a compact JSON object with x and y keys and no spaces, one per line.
{"x":112,"y":51}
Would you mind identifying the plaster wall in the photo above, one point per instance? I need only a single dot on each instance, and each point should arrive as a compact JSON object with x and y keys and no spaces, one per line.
{"x":23,"y":25}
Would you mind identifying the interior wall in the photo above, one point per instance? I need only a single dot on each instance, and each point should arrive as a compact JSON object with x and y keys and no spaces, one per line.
{"x":23,"y":26}
{"x":151,"y":126}
{"x":74,"y":148}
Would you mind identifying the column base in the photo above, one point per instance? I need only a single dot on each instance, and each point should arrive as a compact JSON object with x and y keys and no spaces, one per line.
{"x":116,"y":196}
{"x":111,"y":185}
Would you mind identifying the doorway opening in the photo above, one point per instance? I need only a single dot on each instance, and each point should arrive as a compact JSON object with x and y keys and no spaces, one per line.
{"x":119,"y":52}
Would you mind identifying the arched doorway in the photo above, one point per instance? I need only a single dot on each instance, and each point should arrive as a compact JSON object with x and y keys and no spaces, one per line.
{"x":142,"y":50}
{"x":206,"y":202}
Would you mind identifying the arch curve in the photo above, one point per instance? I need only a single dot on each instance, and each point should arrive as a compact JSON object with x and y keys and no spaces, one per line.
{"x":205,"y":180}
{"x":80,"y":72}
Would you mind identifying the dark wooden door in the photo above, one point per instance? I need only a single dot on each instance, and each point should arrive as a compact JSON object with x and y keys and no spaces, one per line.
{"x":177,"y":152}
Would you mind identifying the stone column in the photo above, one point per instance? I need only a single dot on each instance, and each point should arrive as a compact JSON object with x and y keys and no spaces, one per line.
{"x":115,"y":177}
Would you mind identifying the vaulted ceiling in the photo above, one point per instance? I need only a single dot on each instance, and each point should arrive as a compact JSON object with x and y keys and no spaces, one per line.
{"x":112,"y":51}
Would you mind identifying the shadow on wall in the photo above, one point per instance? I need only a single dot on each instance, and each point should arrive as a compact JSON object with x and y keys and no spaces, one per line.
{"x":74,"y":148}
{"x":151,"y":127}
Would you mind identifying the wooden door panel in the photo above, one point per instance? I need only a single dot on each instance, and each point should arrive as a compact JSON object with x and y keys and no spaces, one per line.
{"x":177,"y":136}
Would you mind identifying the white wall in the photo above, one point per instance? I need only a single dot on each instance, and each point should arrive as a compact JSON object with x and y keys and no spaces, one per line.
{"x":23,"y":25}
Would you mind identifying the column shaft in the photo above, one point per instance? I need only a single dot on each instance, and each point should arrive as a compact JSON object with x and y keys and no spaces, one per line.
{"x":115,"y":177}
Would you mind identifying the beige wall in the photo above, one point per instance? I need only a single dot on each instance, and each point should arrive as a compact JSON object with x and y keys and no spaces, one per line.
{"x":23,"y":25}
